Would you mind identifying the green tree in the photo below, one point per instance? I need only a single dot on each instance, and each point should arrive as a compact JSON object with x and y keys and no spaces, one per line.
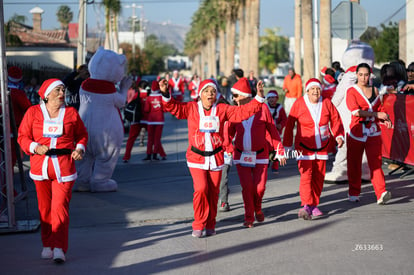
{"x":384,"y":42}
{"x":13,"y":40}
{"x":64,"y":16}
{"x":155,"y":52}
{"x":273,"y":49}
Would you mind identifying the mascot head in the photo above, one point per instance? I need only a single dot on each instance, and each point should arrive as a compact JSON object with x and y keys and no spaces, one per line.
{"x":357,"y":52}
{"x":107,"y":65}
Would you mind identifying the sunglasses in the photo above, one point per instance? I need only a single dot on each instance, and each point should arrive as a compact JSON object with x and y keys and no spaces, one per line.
{"x":235,"y":95}
{"x":410,"y":70}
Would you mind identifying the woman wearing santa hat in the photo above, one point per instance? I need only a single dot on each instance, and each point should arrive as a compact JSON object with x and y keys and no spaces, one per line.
{"x":53,"y":136}
{"x":205,"y":157}
{"x":280,"y":118}
{"x":251,"y":152}
{"x":316,"y":120}
{"x":365,"y":135}
{"x":193,"y":87}
{"x":155,"y":123}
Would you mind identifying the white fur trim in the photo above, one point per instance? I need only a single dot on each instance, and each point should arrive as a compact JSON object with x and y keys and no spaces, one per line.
{"x":53,"y":85}
{"x":313,"y":83}
{"x":32,"y":147}
{"x":206,"y":85}
{"x":235,"y":91}
{"x":259,"y":98}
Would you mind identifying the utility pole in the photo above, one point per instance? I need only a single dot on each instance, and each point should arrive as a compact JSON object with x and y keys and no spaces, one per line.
{"x":81,"y":57}
{"x":133,"y":21}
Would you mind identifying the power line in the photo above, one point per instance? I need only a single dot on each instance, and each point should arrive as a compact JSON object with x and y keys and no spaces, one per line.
{"x":394,"y":14}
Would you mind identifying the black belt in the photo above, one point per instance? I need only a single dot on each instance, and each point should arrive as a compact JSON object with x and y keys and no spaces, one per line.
{"x":206,"y":153}
{"x":57,"y":152}
{"x":313,"y":149}
{"x":257,"y":152}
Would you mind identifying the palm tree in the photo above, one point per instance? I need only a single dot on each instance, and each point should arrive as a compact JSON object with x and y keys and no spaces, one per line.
{"x":308,"y":48}
{"x":298,"y":38}
{"x":254,"y":36}
{"x":232,"y":7}
{"x":112,"y":10}
{"x":325,"y":45}
{"x":64,"y":16}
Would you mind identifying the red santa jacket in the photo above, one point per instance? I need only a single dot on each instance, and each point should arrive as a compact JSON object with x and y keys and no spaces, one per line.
{"x":20,"y":104}
{"x":279,"y":116}
{"x":328,"y":91}
{"x":193,"y":87}
{"x":205,"y":149}
{"x":252,"y":134}
{"x":31,"y":134}
{"x":153,"y":109}
{"x":177,"y":87}
{"x":362,"y":127}
{"x":315,"y":123}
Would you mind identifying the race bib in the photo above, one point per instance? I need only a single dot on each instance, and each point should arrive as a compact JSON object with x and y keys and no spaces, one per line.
{"x":248,"y":159}
{"x":52,"y":128}
{"x":371,"y":130}
{"x":325,"y":134}
{"x":209,"y":124}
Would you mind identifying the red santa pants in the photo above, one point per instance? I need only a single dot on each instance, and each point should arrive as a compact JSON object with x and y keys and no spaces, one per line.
{"x":355,"y":150}
{"x":154,"y":145}
{"x":253,"y":182}
{"x":134,"y":131}
{"x":206,"y":186}
{"x":53,"y":203}
{"x":312,"y":174}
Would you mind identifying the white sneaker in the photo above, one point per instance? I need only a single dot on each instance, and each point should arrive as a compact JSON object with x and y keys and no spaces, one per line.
{"x":47,"y":253}
{"x":385,"y":196}
{"x":353,"y":198}
{"x":58,"y":255}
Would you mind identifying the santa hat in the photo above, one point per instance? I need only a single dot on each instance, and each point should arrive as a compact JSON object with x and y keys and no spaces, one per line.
{"x":272,"y":93}
{"x":313,"y":82}
{"x":323,"y":71}
{"x":48,"y":86}
{"x":242,"y":87}
{"x":155,"y":86}
{"x":328,"y":79}
{"x":206,"y":83}
{"x":15,"y":74}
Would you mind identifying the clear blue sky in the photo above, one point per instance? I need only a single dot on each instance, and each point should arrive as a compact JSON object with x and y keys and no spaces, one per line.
{"x":274,"y":13}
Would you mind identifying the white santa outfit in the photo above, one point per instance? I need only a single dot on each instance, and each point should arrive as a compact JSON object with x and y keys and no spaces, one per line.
{"x":99,"y":110}
{"x":356,"y":53}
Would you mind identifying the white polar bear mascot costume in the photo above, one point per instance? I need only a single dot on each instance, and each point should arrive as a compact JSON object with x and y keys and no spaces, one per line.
{"x":99,"y":110}
{"x":357,"y":52}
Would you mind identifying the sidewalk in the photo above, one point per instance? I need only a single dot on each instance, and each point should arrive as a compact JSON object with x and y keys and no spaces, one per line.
{"x":145,"y":227}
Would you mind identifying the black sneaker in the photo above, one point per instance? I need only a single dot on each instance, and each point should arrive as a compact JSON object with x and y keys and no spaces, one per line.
{"x":155,"y":157}
{"x":147,"y":158}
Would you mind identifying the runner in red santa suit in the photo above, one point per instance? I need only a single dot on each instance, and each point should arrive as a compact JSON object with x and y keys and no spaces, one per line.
{"x":19,"y":101}
{"x":280,"y":118}
{"x":155,"y":123}
{"x":365,"y":135}
{"x":205,"y":157}
{"x":193,"y":87}
{"x":177,"y":86}
{"x":251,"y":152}
{"x":314,"y":117}
{"x":53,"y":136}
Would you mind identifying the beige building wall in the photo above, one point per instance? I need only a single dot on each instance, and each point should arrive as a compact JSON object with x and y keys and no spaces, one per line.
{"x":50,"y":58}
